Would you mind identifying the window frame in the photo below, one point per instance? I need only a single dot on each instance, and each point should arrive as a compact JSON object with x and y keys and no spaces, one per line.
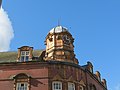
{"x":81,"y":87}
{"x":18,"y":85}
{"x":54,"y":83}
{"x":20,"y":79}
{"x":24,"y":56}
{"x":71,"y":86}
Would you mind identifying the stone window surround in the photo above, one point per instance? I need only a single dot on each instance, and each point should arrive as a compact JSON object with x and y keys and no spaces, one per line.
{"x":71,"y":86}
{"x":22,"y":79}
{"x":56,"y":85}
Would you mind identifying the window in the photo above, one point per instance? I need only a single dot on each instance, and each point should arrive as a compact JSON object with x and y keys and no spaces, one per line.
{"x":56,"y":85}
{"x":24,"y":56}
{"x":21,"y":82}
{"x":66,"y":40}
{"x":51,"y":39}
{"x":58,"y":37}
{"x":22,"y":86}
{"x":71,"y":86}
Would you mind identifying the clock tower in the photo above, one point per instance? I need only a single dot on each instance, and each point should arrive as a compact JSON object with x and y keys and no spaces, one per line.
{"x":59,"y":45}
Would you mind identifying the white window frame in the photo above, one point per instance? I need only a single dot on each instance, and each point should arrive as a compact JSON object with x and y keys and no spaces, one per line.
{"x":24,"y":56}
{"x":56,"y":85}
{"x":71,"y":86}
{"x":81,"y":87}
{"x":19,"y":87}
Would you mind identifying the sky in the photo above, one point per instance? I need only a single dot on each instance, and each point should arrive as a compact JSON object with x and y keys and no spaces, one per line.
{"x":95,"y":25}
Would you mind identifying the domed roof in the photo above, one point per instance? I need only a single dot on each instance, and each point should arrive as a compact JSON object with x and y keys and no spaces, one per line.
{"x":58,"y":29}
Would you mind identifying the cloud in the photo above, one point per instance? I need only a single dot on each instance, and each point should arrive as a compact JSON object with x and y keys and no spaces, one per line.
{"x":6,"y":31}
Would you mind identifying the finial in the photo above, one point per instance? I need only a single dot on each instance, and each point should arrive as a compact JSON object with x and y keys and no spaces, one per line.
{"x":58,"y":22}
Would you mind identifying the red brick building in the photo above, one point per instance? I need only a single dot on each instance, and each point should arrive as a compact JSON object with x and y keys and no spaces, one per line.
{"x":55,"y":68}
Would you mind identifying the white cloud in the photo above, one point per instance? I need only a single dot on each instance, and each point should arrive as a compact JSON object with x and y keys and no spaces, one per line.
{"x":6,"y":31}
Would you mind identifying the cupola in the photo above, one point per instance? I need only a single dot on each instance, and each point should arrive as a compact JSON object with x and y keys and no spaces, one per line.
{"x":59,"y":45}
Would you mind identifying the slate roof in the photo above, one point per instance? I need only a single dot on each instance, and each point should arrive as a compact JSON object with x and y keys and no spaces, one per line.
{"x":12,"y":55}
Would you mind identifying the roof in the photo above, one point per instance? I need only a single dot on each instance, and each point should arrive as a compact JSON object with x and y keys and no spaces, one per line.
{"x":58,"y":29}
{"x":12,"y":55}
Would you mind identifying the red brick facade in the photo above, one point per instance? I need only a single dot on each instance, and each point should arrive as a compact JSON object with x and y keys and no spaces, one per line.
{"x":42,"y":74}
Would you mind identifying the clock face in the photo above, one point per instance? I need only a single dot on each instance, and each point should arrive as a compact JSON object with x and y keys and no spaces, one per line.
{"x":66,"y":39}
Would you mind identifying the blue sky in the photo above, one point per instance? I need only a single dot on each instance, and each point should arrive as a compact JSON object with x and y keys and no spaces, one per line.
{"x":95,"y":25}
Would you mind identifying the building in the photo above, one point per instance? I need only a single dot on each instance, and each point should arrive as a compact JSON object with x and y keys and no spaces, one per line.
{"x":55,"y":68}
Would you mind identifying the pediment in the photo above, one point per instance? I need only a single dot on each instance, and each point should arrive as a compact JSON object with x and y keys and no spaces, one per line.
{"x":57,"y":77}
{"x":71,"y":78}
{"x":82,"y":83}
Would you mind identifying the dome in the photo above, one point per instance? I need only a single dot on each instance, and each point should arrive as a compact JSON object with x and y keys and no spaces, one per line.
{"x":58,"y":29}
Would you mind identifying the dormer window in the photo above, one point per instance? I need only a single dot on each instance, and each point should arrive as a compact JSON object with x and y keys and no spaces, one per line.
{"x":98,"y":75}
{"x":90,"y":67}
{"x":24,"y":56}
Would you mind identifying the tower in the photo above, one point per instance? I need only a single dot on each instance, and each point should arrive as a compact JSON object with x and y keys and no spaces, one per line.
{"x":59,"y":45}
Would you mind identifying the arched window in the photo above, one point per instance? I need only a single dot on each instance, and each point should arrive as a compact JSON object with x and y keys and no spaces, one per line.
{"x":21,"y":82}
{"x":56,"y":85}
{"x":71,"y":86}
